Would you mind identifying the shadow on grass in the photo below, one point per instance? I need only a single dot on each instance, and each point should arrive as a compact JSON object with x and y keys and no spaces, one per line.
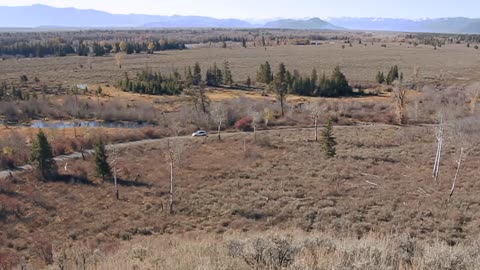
{"x":72,"y":179}
{"x":130,"y":183}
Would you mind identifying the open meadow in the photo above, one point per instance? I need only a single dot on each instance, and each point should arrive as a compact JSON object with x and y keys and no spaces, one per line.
{"x":379,"y":185}
{"x":361,"y":62}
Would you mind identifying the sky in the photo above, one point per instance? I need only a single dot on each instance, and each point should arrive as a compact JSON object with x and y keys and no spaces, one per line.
{"x":243,"y":9}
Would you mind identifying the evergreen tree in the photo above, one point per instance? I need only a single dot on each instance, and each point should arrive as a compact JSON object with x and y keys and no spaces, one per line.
{"x":102,"y":168}
{"x":188,"y":76}
{"x":281,"y":75}
{"x":261,"y":74}
{"x":214,"y":76}
{"x":218,"y":75}
{"x":42,"y":156}
{"x":24,"y":79}
{"x":340,"y":83}
{"x":290,"y":80}
{"x":323,"y":84}
{"x":268,"y":73}
{"x":380,"y":78}
{"x":197,"y":74}
{"x":314,"y":78}
{"x":228,"y":79}
{"x":264,"y":73}
{"x":393,"y":75}
{"x":328,"y":140}
{"x":248,"y":82}
{"x":281,"y":87}
{"x":336,"y":86}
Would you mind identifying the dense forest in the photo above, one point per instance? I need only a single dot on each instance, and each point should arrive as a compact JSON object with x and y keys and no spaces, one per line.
{"x":154,"y":83}
{"x":103,"y":42}
{"x":59,"y":47}
{"x":314,"y":85}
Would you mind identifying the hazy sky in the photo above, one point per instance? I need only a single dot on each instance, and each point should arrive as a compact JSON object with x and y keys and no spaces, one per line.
{"x":276,"y":8}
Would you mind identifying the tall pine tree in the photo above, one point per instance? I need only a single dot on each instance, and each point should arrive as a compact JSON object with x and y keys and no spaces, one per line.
{"x":328,"y":140}
{"x":281,"y":87}
{"x":102,"y":168}
{"x":227,"y":74}
{"x":197,"y":74}
{"x":42,"y":157}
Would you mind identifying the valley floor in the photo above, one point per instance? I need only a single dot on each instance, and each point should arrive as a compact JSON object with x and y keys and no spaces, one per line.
{"x":379,"y":184}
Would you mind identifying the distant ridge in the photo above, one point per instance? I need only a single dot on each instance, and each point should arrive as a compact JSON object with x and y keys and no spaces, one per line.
{"x":41,"y":15}
{"x":46,"y":17}
{"x":457,"y":25}
{"x":309,"y":24}
{"x":197,"y":21}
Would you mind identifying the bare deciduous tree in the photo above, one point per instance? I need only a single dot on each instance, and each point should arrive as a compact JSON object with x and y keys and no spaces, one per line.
{"x":315,"y":111}
{"x":400,"y":98}
{"x":440,"y":129}
{"x":459,"y":164}
{"x":219,"y":114}
{"x":473,"y":93}
{"x":464,"y":146}
{"x":416,"y":75}
{"x":256,"y":118}
{"x":119,"y":59}
{"x":204,"y":100}
{"x":174,"y":152}
{"x":199,"y":98}
{"x":114,"y":164}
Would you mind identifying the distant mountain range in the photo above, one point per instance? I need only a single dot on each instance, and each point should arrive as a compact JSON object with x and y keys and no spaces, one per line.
{"x":442,"y":25}
{"x":308,"y":24}
{"x":45,"y":16}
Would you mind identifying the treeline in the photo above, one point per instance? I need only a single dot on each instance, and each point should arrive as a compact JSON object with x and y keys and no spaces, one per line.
{"x":443,"y":39}
{"x":153,"y":83}
{"x":86,"y":48}
{"x":11,"y":92}
{"x":103,"y":48}
{"x":185,"y":36}
{"x":30,"y":89}
{"x":24,"y":90}
{"x":334,"y":86}
{"x":38,"y":49}
{"x":392,"y":76}
{"x":218,"y":76}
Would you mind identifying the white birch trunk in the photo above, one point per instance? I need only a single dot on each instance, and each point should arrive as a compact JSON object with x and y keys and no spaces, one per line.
{"x":171,"y":186}
{"x":459,"y":164}
{"x":219,"y":129}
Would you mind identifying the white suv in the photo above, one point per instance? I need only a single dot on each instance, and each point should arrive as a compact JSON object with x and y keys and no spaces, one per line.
{"x":200,"y":133}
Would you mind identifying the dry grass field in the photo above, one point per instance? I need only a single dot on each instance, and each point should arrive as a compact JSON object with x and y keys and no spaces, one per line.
{"x":457,"y":63}
{"x":271,"y":201}
{"x":380,"y":183}
{"x":280,"y":249}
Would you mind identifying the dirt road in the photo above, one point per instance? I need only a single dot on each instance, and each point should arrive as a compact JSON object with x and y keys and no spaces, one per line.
{"x":78,"y":155}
